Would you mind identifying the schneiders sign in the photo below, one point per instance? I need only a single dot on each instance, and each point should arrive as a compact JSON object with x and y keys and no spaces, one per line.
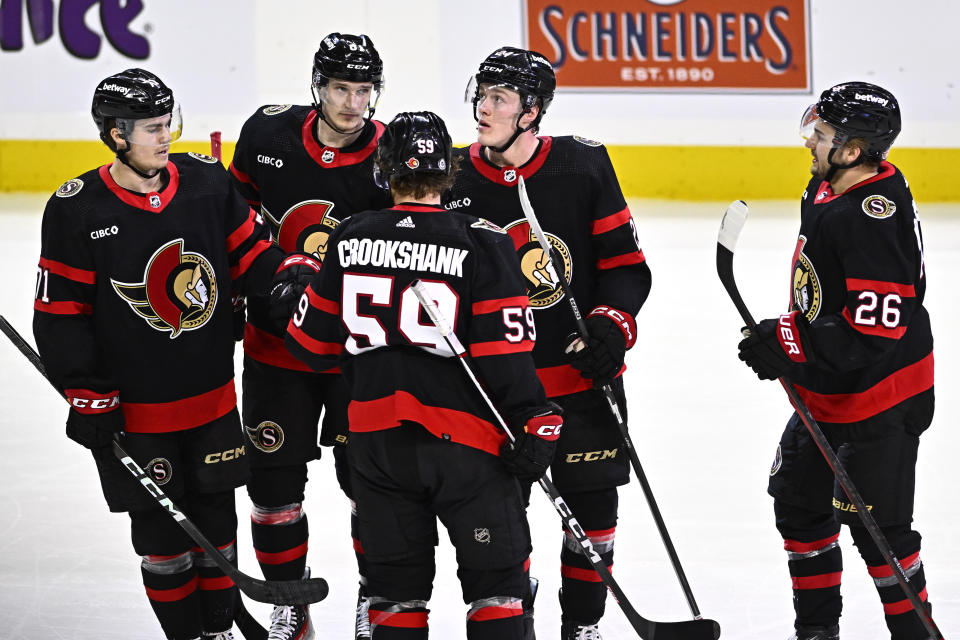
{"x":674,"y":45}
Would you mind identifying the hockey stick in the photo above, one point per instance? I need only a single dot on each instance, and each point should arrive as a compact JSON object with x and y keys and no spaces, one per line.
{"x":646,"y":629}
{"x":612,"y":403}
{"x":215,"y":145}
{"x":730,"y":227}
{"x":286,"y":592}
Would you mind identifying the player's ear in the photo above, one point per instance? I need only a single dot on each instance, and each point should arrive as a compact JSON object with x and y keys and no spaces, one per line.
{"x":118,"y":141}
{"x":530,"y":115}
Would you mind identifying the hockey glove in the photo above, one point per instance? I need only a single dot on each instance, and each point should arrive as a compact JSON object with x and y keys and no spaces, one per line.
{"x":775,"y":345}
{"x":293,"y":276}
{"x":600,"y":356}
{"x":530,"y":455}
{"x":94,"y":417}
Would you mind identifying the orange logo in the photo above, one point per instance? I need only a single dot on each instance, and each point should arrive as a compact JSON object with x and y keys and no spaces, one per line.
{"x":685,"y":45}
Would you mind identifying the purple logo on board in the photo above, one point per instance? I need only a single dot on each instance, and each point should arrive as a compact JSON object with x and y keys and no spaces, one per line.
{"x":77,"y":38}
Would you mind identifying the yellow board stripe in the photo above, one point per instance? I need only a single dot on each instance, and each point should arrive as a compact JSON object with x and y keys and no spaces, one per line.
{"x":666,"y":172}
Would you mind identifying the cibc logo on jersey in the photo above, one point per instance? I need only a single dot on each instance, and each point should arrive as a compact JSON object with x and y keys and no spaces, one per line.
{"x":543,"y":285}
{"x":305,"y":227}
{"x":806,"y":292}
{"x":178,"y":292}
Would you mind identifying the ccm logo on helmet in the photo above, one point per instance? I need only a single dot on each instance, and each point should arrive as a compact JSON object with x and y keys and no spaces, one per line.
{"x":103,"y":233}
{"x":358,"y":66}
{"x":273,"y":162}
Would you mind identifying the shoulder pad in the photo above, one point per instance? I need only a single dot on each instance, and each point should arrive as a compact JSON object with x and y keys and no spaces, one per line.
{"x":69,"y":188}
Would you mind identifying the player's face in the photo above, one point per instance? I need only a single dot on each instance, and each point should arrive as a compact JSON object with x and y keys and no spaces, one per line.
{"x":149,"y":143}
{"x":497,"y":112}
{"x":345,"y":103}
{"x":820,"y":143}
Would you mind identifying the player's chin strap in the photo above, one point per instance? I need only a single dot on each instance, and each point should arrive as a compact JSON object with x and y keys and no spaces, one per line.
{"x":836,"y":167}
{"x":343,"y":132}
{"x":517,"y":131}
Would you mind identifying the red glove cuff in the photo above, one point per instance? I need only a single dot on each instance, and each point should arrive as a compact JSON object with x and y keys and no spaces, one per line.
{"x":788,"y":335}
{"x":298,"y":258}
{"x":545,"y":427}
{"x":622,"y":319}
{"x":90,"y":402}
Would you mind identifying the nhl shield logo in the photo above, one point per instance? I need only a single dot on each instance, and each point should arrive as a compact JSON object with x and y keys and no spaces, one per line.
{"x":328,"y":156}
{"x":482,"y":535}
{"x":510,"y":175}
{"x":178,"y":292}
{"x":155,"y":201}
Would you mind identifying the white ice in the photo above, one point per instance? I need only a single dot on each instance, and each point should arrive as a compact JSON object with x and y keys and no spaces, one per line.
{"x":705,"y":428}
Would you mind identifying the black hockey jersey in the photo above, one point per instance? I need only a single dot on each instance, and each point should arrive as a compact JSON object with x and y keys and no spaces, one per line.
{"x":364,"y":315}
{"x":133,"y":292}
{"x":577,"y":199}
{"x":303,"y":189}
{"x":859,"y":278}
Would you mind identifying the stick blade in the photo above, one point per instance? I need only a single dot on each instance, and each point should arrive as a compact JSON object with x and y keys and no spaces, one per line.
{"x":288,"y":592}
{"x":732,"y":224}
{"x":704,"y":629}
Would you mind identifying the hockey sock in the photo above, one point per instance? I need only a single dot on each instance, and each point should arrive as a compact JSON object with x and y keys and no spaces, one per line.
{"x":280,"y":540}
{"x":218,"y":594}
{"x":901,"y":618}
{"x":358,"y":548}
{"x":171,"y":586}
{"x":499,"y":618}
{"x":583,"y":594}
{"x":816,"y":567}
{"x":398,"y":620}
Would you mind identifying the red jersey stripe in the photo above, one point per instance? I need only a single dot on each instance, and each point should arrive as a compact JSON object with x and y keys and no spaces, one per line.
{"x":241,"y":267}
{"x":63,"y":308}
{"x":492,"y":306}
{"x":242,"y":232}
{"x":164,"y":417}
{"x":321,"y":303}
{"x":881,"y":287}
{"x":82,"y":276}
{"x":269,"y":349}
{"x":172,"y":595}
{"x":822,"y":581}
{"x":313,"y":345}
{"x":624,"y":260}
{"x":499,"y":348}
{"x":853,"y":407}
{"x":241,"y":176}
{"x":611,"y":222}
{"x":879,"y":330}
{"x":564,"y":379}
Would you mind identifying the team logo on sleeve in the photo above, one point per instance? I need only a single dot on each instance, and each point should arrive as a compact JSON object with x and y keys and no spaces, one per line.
{"x":178,"y":292}
{"x":274,"y":109}
{"x":587,"y":141}
{"x":877,"y":206}
{"x":202,"y":158}
{"x":306,"y":227}
{"x":483,"y":223}
{"x":267,"y":436}
{"x":777,"y":462}
{"x":543,"y":285}
{"x":69,"y":188}
{"x":807,"y":294}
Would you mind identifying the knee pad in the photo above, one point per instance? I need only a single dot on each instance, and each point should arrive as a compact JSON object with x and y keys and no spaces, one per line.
{"x":904,"y":541}
{"x":276,"y":486}
{"x":285,"y":514}
{"x":167,"y":565}
{"x":154,"y":532}
{"x":594,"y":509}
{"x":798,"y":523}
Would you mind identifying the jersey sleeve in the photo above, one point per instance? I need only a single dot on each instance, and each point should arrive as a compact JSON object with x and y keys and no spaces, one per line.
{"x":64,"y":305}
{"x":882,"y":264}
{"x":502,"y":332}
{"x":622,"y":274}
{"x":243,"y":166}
{"x":314,"y":334}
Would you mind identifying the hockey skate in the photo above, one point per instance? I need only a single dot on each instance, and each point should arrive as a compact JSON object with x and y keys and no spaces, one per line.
{"x":528,"y":630}
{"x":570,"y":630}
{"x":291,"y":623}
{"x":816,"y":633}
{"x":363,"y":617}
{"x":223,"y":635}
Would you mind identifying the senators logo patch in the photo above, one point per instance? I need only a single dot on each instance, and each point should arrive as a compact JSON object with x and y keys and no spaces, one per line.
{"x":69,"y":188}
{"x":266,"y":436}
{"x":274,"y":109}
{"x":202,"y":158}
{"x":877,"y":206}
{"x":178,"y":292}
{"x":587,"y":141}
{"x":807,"y":294}
{"x":305,"y":227}
{"x":160,"y":470}
{"x":777,"y":462}
{"x":543,"y":285}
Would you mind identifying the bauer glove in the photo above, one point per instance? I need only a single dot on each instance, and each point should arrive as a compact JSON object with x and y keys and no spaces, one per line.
{"x":529,"y":456}
{"x":600,"y":356}
{"x":293,"y":276}
{"x":94,"y":417}
{"x":775,"y":345}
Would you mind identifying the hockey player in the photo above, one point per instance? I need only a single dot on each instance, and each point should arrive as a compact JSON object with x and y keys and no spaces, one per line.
{"x":134,"y":326}
{"x":422,"y":443}
{"x":305,"y":168}
{"x":857,"y":347}
{"x":573,"y":186}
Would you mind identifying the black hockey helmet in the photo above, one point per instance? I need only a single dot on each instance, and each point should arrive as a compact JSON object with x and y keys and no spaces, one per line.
{"x":415,"y":142}
{"x":130,"y":95}
{"x":347,"y":57}
{"x":859,"y":110}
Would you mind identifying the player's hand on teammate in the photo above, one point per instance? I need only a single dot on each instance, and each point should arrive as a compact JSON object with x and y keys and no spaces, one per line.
{"x":94,"y":430}
{"x":293,"y":276}
{"x":531,"y":454}
{"x":600,"y":356}
{"x":764,"y":351}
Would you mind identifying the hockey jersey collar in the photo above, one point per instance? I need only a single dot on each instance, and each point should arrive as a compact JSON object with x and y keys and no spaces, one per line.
{"x":155,"y":201}
{"x":332,"y":157}
{"x":507,"y":176}
{"x":825,"y":191}
{"x":422,"y":208}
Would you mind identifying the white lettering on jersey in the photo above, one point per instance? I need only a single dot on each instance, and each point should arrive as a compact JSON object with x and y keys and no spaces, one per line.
{"x":393,"y":254}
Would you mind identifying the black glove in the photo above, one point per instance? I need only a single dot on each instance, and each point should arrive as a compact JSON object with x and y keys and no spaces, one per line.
{"x":530,"y":455}
{"x":293,"y":276}
{"x":775,"y":345}
{"x":94,"y":418}
{"x":600,"y":356}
